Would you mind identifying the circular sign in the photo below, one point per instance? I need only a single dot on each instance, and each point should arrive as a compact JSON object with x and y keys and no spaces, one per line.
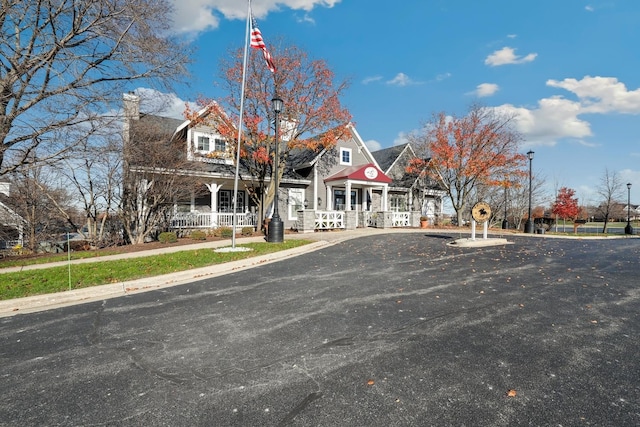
{"x":371,"y":172}
{"x":481,"y":212}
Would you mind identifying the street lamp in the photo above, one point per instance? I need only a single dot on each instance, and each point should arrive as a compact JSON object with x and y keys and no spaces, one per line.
{"x":275,"y":233}
{"x":628,"y":229}
{"x":528,"y":226}
{"x":505,"y":223}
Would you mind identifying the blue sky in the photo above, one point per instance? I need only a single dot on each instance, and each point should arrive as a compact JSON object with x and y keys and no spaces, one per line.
{"x":569,"y":69}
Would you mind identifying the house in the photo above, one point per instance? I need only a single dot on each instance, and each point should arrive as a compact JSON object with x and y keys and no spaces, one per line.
{"x":344,"y":186}
{"x":410,"y":191}
{"x":11,"y":224}
{"x":630,"y":212}
{"x":201,"y":155}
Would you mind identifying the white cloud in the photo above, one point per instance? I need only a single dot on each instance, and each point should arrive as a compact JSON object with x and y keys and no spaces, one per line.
{"x":553,"y":119}
{"x":506,"y":56}
{"x":161,"y":104}
{"x":443,"y":76}
{"x":485,"y":89}
{"x":589,"y":8}
{"x":401,"y":79}
{"x":372,"y":79}
{"x":557,"y":118}
{"x":401,"y":139}
{"x":373,"y":145}
{"x":194,"y":16}
{"x":601,"y":94}
{"x":306,"y":18}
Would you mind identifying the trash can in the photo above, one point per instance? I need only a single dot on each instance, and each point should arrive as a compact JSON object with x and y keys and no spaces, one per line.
{"x":539,"y":230}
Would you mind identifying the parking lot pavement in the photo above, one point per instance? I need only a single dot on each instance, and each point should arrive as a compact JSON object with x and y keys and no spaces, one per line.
{"x":397,"y":329}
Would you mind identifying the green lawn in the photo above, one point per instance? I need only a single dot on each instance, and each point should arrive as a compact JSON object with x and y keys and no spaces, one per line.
{"x":56,"y":279}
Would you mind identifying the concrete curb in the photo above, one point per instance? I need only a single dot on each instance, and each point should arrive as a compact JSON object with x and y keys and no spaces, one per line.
{"x":113,"y":290}
{"x":479,"y":243}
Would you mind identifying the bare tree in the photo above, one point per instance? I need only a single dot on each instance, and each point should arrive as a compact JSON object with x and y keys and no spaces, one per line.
{"x":610,"y":190}
{"x":94,"y":174}
{"x":156,"y":174}
{"x":38,"y":199}
{"x":518,"y":197}
{"x":64,"y":63}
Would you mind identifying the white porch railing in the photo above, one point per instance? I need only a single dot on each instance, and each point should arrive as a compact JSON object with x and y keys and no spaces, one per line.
{"x":329,"y":220}
{"x":400,"y":219}
{"x":190,"y":220}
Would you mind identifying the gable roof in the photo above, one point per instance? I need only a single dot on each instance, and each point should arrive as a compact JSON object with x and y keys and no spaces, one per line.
{"x":359,"y":173}
{"x":387,"y":157}
{"x":299,"y":159}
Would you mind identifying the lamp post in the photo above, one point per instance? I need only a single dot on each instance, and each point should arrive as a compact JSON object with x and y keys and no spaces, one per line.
{"x":505,"y":223}
{"x":275,"y":233}
{"x":628,"y":229}
{"x":528,"y":226}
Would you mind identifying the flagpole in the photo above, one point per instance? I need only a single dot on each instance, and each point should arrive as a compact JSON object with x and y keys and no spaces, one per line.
{"x":235,"y":183}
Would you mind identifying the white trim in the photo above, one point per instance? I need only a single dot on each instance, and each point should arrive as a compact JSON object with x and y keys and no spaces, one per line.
{"x":341,"y":159}
{"x":292,"y":194}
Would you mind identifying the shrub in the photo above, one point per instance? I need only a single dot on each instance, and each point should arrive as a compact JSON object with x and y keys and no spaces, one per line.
{"x":198,"y":235}
{"x":247,"y":231}
{"x":167,"y":237}
{"x":226,"y":232}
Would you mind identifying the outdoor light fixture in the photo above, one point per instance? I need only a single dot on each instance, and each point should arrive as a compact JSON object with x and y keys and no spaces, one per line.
{"x":628,"y":229}
{"x":276,"y":104}
{"x":306,"y":203}
{"x":275,"y":233}
{"x":528,"y":226}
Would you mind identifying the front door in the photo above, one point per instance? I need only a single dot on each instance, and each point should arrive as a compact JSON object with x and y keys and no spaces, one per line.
{"x":340,"y":201}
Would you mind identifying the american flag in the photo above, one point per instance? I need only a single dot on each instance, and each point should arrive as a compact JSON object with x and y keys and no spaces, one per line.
{"x":258,"y":43}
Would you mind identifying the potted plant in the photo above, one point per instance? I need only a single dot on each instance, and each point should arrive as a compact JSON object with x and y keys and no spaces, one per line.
{"x":424,"y":222}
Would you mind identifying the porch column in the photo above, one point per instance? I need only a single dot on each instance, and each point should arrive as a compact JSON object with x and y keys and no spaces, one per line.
{"x":214,"y":189}
{"x":347,"y":202}
{"x":385,"y":193}
{"x":315,"y":188}
{"x":192,"y":202}
{"x":329,"y":199}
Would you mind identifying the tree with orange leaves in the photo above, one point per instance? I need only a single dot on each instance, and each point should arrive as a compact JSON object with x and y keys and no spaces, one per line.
{"x":566,"y":204}
{"x":461,"y":153}
{"x":312,"y":118}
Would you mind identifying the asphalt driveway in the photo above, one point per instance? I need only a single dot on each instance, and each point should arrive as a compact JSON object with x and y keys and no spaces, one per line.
{"x":386,"y":330}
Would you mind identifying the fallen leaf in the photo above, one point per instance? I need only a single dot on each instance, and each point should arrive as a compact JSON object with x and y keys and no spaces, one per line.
{"x":511,"y":393}
{"x":371,"y":382}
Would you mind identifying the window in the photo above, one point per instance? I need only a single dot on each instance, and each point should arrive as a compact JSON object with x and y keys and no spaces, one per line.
{"x":219,"y":144}
{"x":207,"y":142}
{"x":203,"y":143}
{"x":225,"y":201}
{"x":340,"y":201}
{"x":296,"y":202}
{"x":345,"y":156}
{"x":398,"y":203}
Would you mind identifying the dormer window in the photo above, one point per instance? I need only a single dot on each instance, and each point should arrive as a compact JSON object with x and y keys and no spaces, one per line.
{"x":219,"y":144}
{"x":345,"y":156}
{"x":203,"y":143}
{"x":208,"y":143}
